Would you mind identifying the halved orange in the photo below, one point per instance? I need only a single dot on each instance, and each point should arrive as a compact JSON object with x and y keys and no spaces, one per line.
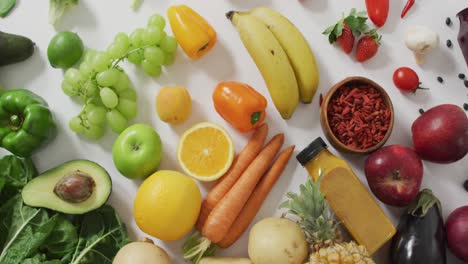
{"x":205,"y":151}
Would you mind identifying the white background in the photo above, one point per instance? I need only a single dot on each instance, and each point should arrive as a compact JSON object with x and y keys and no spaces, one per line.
{"x":98,"y":21}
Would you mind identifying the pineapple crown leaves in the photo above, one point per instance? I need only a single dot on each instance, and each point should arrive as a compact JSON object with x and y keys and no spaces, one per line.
{"x":374,"y":35}
{"x":313,"y":211}
{"x":356,"y":21}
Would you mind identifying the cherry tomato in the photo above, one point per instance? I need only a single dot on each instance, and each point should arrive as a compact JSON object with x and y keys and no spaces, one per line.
{"x":406,"y":79}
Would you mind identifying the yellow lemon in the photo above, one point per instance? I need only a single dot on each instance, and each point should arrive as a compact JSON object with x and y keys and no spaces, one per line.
{"x":167,"y":205}
{"x":205,"y":151}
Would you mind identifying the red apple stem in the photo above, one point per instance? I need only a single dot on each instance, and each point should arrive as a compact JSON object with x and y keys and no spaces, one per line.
{"x":425,"y":200}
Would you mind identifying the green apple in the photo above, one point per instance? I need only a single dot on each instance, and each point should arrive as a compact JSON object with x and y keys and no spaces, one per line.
{"x":137,"y":151}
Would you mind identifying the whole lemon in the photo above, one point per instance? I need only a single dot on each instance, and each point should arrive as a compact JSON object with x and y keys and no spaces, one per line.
{"x":173,"y":104}
{"x":167,"y":205}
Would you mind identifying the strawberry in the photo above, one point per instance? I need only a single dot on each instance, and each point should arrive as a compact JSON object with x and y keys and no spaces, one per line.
{"x":346,"y":29}
{"x":368,"y":46}
{"x":346,"y":39}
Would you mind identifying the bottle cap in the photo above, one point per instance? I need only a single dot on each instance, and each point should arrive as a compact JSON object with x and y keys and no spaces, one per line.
{"x":311,"y":151}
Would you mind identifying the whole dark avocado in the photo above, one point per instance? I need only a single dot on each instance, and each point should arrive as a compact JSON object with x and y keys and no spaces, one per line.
{"x":14,"y":48}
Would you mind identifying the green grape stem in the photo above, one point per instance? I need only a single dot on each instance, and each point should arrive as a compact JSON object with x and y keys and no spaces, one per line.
{"x":116,"y":62}
{"x":84,"y":122}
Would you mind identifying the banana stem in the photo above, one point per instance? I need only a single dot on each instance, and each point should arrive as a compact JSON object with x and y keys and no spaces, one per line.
{"x":230,"y":14}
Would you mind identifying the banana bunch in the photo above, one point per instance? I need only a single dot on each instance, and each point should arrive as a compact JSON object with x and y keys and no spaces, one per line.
{"x":282,"y":55}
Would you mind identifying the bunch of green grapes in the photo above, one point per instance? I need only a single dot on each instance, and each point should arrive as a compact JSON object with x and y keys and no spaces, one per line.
{"x":107,"y":97}
{"x":150,"y":47}
{"x":104,"y":87}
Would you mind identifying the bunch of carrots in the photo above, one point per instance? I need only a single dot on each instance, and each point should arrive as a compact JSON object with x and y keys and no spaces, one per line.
{"x":234,"y":201}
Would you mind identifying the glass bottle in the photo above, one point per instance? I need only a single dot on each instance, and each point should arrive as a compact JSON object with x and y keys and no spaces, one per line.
{"x":347,"y":196}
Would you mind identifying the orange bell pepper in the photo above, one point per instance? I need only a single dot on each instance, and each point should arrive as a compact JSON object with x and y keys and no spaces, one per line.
{"x":194,"y":34}
{"x":240,"y":105}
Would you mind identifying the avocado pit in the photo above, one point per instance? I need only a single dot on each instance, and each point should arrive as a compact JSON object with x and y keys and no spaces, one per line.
{"x":76,"y":187}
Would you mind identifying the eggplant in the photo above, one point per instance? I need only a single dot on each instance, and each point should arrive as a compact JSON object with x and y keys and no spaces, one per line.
{"x":420,"y":237}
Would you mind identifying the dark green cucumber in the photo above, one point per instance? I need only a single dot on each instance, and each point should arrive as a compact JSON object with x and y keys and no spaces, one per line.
{"x":14,"y":48}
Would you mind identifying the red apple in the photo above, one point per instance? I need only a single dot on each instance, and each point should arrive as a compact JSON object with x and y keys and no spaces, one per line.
{"x":457,"y":232}
{"x":441,"y":134}
{"x":394,"y":174}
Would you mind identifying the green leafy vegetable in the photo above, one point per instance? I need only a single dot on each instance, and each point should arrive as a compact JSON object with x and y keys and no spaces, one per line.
{"x":23,"y":230}
{"x":58,"y":7}
{"x":2,"y":183}
{"x":14,"y":175}
{"x":102,"y":234}
{"x":38,"y":236}
{"x":62,"y":240}
{"x":40,"y":259}
{"x":6,"y":6}
{"x":26,"y":231}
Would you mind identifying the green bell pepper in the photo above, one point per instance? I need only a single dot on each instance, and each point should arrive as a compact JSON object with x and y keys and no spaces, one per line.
{"x":26,"y":122}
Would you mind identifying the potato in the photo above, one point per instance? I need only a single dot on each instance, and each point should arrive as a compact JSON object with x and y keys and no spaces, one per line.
{"x":173,"y":104}
{"x":277,"y":241}
{"x":143,"y":252}
{"x":216,"y":260}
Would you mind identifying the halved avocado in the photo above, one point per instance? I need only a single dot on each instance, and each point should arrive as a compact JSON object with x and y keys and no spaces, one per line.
{"x":75,"y":187}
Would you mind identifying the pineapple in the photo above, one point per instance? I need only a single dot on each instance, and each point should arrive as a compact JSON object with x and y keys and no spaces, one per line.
{"x":342,"y":253}
{"x":321,"y":228}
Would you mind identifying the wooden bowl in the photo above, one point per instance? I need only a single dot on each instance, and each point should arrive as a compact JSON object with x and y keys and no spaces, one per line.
{"x":334,"y":141}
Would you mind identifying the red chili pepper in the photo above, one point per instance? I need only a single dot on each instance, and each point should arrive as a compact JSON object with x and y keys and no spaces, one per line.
{"x":377,"y":11}
{"x":407,"y":7}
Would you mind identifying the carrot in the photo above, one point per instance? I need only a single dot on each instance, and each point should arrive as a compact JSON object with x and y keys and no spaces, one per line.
{"x":225,"y":212}
{"x":240,"y":164}
{"x":257,"y":198}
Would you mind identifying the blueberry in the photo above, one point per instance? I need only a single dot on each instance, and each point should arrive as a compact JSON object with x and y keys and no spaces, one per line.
{"x":465,"y":185}
{"x":440,"y":79}
{"x":461,"y":76}
{"x":421,"y":111}
{"x":448,"y":21}
{"x":449,"y":43}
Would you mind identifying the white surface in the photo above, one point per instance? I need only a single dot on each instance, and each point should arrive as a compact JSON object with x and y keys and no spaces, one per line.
{"x":98,"y":21}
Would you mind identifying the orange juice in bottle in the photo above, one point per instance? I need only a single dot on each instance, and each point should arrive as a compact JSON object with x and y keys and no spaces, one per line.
{"x":347,"y":196}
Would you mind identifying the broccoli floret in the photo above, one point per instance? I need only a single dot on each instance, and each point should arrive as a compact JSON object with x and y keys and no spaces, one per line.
{"x":58,"y":7}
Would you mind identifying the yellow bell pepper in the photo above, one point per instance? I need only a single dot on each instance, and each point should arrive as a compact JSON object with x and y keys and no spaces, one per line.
{"x":194,"y":34}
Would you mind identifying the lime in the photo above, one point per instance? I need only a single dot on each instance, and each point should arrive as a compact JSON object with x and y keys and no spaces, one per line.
{"x":65,"y":50}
